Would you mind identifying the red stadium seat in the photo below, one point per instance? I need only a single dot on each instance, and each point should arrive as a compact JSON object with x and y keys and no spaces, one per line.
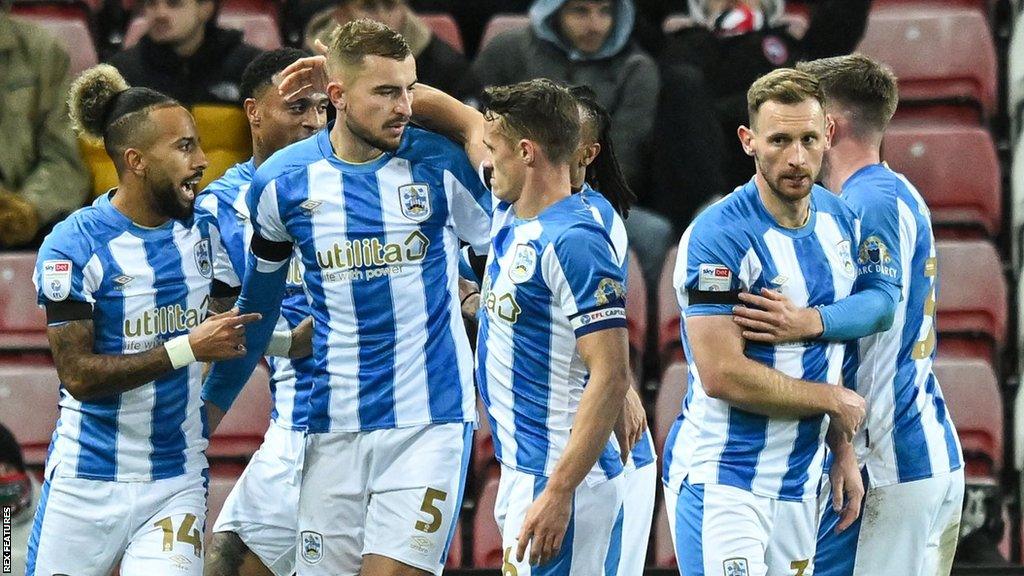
{"x":670,"y":346}
{"x":455,"y":550}
{"x":221,"y":483}
{"x":241,"y":431}
{"x":636,"y":311}
{"x":487,"y":551}
{"x":483,"y":444}
{"x":444,"y":27}
{"x":911,"y":37}
{"x":500,"y":23}
{"x":260,"y":28}
{"x":972,"y":396}
{"x":22,"y":322}
{"x":972,"y":298}
{"x":933,"y":158}
{"x":983,"y":6}
{"x":664,"y":548}
{"x":69,"y":23}
{"x":28,"y":406}
{"x":669,"y":402}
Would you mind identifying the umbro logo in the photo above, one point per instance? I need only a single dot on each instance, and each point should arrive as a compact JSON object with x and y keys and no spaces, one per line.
{"x":310,"y":206}
{"x":121,"y":281}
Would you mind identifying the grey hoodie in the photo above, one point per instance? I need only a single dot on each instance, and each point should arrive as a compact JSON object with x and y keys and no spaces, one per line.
{"x":624,"y":77}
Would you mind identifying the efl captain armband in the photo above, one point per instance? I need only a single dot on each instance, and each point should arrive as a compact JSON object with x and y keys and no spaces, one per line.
{"x":179,"y":351}
{"x":713,"y":297}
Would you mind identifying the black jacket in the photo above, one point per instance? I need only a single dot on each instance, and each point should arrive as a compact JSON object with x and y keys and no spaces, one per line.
{"x":211,"y":75}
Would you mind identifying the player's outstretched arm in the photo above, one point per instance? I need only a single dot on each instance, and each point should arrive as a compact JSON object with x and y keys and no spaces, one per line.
{"x":442,"y":113}
{"x":727,"y":374}
{"x":606,"y":355}
{"x":87,"y":375}
{"x":847,"y":483}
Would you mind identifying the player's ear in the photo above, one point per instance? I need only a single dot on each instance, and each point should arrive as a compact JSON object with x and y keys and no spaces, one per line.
{"x":830,"y":130}
{"x":591,"y":153}
{"x":252,"y":111}
{"x":336,"y":94}
{"x":527,"y":151}
{"x":746,"y":136}
{"x":134,"y":161}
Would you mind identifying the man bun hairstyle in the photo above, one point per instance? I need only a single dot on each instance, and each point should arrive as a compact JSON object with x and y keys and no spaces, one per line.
{"x":785,"y":86}
{"x":866,"y":90}
{"x":604,"y":174}
{"x":537,"y":110}
{"x":103,"y":108}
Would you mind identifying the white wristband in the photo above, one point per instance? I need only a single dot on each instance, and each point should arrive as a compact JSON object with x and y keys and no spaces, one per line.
{"x":280,"y":344}
{"x":179,"y":351}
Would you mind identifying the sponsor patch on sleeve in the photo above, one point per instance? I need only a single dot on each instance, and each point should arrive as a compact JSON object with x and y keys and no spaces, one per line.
{"x":714,"y":278}
{"x":56,"y":284}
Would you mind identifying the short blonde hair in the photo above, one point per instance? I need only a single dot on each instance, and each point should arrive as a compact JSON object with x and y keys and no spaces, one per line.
{"x":351,"y":43}
{"x":785,"y":86}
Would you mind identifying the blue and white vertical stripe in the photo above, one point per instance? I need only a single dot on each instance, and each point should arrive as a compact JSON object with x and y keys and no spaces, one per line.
{"x":711,"y":441}
{"x":146,"y":286}
{"x":379,"y":244}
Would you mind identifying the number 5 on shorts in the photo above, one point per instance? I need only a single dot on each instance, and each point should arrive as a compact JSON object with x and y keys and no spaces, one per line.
{"x":436,"y":516}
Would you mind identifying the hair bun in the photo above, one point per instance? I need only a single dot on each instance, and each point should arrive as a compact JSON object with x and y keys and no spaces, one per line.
{"x":92,"y":97}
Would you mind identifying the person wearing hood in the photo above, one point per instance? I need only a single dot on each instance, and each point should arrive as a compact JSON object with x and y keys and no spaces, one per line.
{"x":437,"y":64}
{"x":185,"y":55}
{"x":584,"y":42}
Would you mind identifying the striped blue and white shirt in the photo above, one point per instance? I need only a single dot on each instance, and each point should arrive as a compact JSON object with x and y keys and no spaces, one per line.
{"x":605,"y":214}
{"x":379,"y":243}
{"x":908,"y":434}
{"x":548,"y":281}
{"x":290,"y":380}
{"x":146,"y":286}
{"x":737,"y":245}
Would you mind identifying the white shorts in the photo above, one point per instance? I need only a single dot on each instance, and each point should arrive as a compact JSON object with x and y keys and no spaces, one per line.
{"x":394,"y":493}
{"x":910,"y":529}
{"x":585,"y":546}
{"x":627,"y":553}
{"x":720,"y":529}
{"x":263,"y":507}
{"x":85,"y":526}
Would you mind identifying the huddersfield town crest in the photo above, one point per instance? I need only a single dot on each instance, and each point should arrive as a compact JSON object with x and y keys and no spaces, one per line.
{"x":312,"y":546}
{"x":735,"y":567}
{"x":203,"y":260}
{"x":524,"y":262}
{"x":415,"y":201}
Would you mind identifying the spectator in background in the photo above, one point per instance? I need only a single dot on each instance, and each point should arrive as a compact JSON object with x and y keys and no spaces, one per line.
{"x":42,"y":178}
{"x":707,"y":68}
{"x":437,"y":64}
{"x":584,"y":42}
{"x":185,"y":55}
{"x":19,"y":492}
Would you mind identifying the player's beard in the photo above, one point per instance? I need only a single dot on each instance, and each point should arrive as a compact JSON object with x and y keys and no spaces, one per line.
{"x":167,"y":200}
{"x":366,"y":135}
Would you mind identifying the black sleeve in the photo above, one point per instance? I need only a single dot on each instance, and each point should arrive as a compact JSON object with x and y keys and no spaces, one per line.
{"x":836,"y":28}
{"x":270,"y":251}
{"x":67,"y":311}
{"x":221,"y":290}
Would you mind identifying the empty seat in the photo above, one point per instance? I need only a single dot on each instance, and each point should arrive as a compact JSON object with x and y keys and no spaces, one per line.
{"x":487,"y":551}
{"x":934,"y":158}
{"x":664,"y":548}
{"x":670,"y":345}
{"x":972,"y":298}
{"x":911,"y":38}
{"x":636,"y":311}
{"x":500,"y":23}
{"x":69,"y":23}
{"x":28,"y":406}
{"x":259,"y":28}
{"x":971,"y":391}
{"x":241,"y":431}
{"x":22,"y":322}
{"x":669,"y":402}
{"x":444,"y":27}
{"x":224,"y":131}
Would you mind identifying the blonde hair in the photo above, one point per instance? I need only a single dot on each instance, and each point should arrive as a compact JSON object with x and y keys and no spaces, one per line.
{"x":785,"y":86}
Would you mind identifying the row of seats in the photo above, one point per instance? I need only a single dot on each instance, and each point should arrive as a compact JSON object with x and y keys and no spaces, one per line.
{"x":903,"y":35}
{"x":28,"y":405}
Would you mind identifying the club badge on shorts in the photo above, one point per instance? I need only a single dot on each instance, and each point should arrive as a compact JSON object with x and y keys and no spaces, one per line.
{"x":735,"y":567}
{"x":524,"y":262}
{"x":312,"y":547}
{"x":56,"y":279}
{"x":415,"y":201}
{"x":203,"y":261}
